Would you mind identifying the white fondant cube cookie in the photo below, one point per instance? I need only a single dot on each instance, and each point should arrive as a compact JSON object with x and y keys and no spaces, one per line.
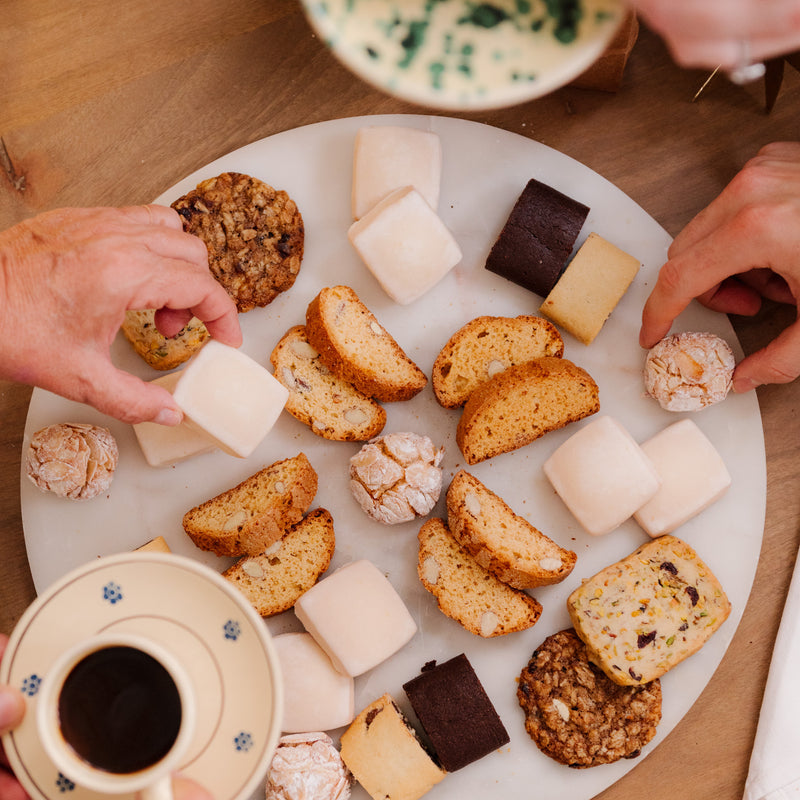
{"x":387,"y":157}
{"x":693,"y":476}
{"x":356,"y":616}
{"x":163,"y":445}
{"x":405,"y":245}
{"x":230,"y":397}
{"x":602,"y":475}
{"x":317,"y":697}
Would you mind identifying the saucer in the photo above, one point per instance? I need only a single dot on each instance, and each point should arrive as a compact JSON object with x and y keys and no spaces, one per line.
{"x":186,"y":608}
{"x":466,"y":55}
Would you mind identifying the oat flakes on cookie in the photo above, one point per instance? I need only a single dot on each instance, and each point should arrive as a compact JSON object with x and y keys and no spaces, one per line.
{"x":577,"y":715}
{"x":254,"y":235}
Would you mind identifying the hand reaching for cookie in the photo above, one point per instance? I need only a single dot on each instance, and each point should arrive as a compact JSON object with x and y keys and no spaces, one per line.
{"x":66,"y":279}
{"x":743,"y":247}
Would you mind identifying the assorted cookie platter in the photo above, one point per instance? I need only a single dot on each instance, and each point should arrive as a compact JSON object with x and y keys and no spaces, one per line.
{"x":484,"y":171}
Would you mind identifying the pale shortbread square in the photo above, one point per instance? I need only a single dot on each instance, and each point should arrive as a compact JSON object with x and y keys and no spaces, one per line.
{"x":388,"y":157}
{"x":693,"y":476}
{"x":230,"y":397}
{"x":405,"y":245}
{"x":316,"y":697}
{"x":590,"y":288}
{"x":602,"y":475}
{"x":356,"y":616}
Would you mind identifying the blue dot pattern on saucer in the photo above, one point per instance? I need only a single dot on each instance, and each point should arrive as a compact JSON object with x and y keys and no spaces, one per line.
{"x":243,"y":742}
{"x":31,"y":685}
{"x":64,"y":784}
{"x":112,"y":593}
{"x":232,"y":630}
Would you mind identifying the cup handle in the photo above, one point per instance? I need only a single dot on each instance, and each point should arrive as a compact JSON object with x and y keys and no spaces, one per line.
{"x":160,"y":790}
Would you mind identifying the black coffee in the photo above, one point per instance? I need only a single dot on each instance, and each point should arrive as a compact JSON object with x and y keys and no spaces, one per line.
{"x":120,"y":710}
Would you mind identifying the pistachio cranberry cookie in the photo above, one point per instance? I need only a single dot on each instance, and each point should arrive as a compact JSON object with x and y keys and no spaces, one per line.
{"x":254,"y":235}
{"x":578,"y":716}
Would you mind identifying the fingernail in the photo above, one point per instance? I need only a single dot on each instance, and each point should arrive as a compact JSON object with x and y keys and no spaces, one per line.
{"x":741,"y":385}
{"x":169,"y":416}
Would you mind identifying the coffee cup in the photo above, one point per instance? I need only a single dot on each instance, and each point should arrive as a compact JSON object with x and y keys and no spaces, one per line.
{"x":116,"y":715}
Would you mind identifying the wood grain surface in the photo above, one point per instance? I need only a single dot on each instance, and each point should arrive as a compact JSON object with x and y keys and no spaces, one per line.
{"x":113,"y":103}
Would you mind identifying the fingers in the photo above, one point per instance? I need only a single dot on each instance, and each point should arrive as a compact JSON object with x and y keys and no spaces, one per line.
{"x":12,"y":709}
{"x":10,"y":788}
{"x":778,"y":362}
{"x":186,"y":789}
{"x":170,"y":322}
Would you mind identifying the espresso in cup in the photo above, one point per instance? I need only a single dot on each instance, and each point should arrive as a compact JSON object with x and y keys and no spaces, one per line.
{"x":120,"y":710}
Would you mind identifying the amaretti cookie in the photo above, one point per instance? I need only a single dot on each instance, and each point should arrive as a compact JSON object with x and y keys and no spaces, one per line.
{"x":333,"y":408}
{"x":522,"y":403}
{"x":467,"y":592}
{"x":273,"y":580}
{"x":536,"y":241}
{"x":575,"y":714}
{"x":488,"y":345}
{"x":689,"y":371}
{"x":254,"y":235}
{"x":248,"y":518}
{"x":602,"y":475}
{"x":397,"y":477}
{"x":160,"y":352}
{"x":357,"y":348}
{"x":456,"y":713}
{"x":501,"y":541}
{"x":385,"y":754}
{"x":648,"y":612}
{"x":307,"y":766}
{"x":76,"y":460}
{"x":590,"y":288}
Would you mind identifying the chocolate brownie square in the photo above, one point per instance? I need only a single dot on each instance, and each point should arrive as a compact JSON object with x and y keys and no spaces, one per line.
{"x":456,"y":713}
{"x":533,"y":248}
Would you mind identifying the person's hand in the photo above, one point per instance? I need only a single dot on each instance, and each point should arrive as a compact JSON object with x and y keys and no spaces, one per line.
{"x":711,"y":33}
{"x":744,"y":246}
{"x":68,"y":276}
{"x":12,"y":710}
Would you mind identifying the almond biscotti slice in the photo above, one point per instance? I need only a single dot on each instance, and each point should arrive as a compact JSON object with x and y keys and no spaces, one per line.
{"x":465,"y":591}
{"x":488,"y":345}
{"x":248,"y":518}
{"x":331,"y":407}
{"x":648,"y":612}
{"x":501,"y":541}
{"x":357,"y":348}
{"x":522,"y":403}
{"x":274,"y":580}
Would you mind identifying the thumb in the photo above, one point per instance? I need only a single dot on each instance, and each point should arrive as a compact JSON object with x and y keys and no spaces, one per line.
{"x":12,"y":708}
{"x":778,"y":362}
{"x":128,"y":398}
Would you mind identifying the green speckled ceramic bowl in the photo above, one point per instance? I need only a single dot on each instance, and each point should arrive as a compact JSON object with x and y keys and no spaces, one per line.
{"x":466,"y":54}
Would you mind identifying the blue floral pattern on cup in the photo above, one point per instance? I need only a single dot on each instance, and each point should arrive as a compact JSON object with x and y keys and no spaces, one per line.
{"x":31,"y":684}
{"x":243,"y":742}
{"x":112,"y":593}
{"x":64,"y":784}
{"x":232,"y":630}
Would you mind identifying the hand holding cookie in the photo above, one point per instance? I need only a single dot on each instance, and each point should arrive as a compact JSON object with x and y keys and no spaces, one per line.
{"x":69,"y":276}
{"x":740,"y":249}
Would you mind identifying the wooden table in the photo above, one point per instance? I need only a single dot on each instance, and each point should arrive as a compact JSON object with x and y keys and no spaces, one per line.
{"x":112,"y":104}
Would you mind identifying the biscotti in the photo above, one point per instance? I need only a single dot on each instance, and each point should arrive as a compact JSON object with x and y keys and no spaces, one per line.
{"x":156,"y":349}
{"x":501,"y":541}
{"x":465,"y":591}
{"x":248,"y":518}
{"x":331,"y":407}
{"x":357,"y":348}
{"x":274,"y":580}
{"x":646,"y":613}
{"x":522,"y":403}
{"x":385,"y":754}
{"x":488,"y":345}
